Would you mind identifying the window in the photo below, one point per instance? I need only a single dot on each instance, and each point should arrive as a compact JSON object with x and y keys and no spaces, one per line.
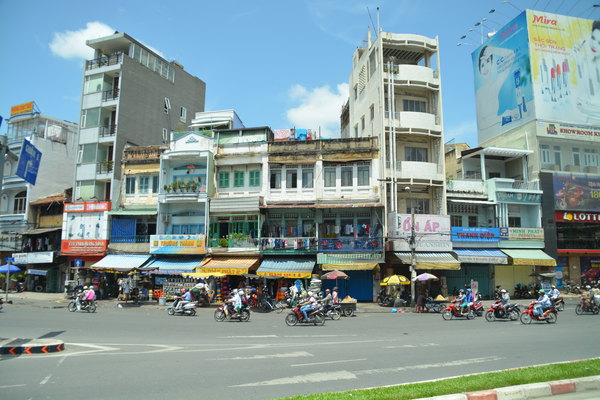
{"x":363,"y":174}
{"x":275,"y":179}
{"x":590,"y":158}
{"x":167,"y":105}
{"x":144,"y":184}
{"x":546,"y":158}
{"x":330,"y":176}
{"x":576,"y":157}
{"x":347,"y":176}
{"x":557,"y":155}
{"x":493,"y":175}
{"x":87,"y":153}
{"x":93,"y":83}
{"x":356,"y":130}
{"x":90,"y":118}
{"x":308,"y":176}
{"x":187,"y":229}
{"x":224,"y":179}
{"x":291,"y":178}
{"x":155,"y":184}
{"x":183,"y":114}
{"x":254,"y":178}
{"x":415,"y":154}
{"x":20,"y":202}
{"x":372,"y":112}
{"x":473,"y":221}
{"x":130,"y":185}
{"x":456,"y":220}
{"x":414,"y":106}
{"x":355,"y":92}
{"x":514,"y":222}
{"x":421,"y":206}
{"x":362,"y":122}
{"x":238,"y":179}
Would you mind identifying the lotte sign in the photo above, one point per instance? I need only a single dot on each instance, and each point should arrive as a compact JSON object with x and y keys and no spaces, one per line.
{"x":570,"y":216}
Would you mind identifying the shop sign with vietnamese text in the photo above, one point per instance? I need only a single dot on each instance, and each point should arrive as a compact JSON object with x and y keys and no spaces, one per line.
{"x":522,"y":233}
{"x":177,"y":244}
{"x":468,"y":234}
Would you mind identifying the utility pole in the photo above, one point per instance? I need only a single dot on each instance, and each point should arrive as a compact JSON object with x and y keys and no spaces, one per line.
{"x":3,"y":151}
{"x":413,"y":244}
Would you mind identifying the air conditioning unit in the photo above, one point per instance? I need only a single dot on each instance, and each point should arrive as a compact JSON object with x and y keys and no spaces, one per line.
{"x":166,"y":218}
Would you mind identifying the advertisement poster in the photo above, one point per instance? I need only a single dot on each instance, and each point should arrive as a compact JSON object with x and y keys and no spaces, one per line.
{"x":576,"y":192}
{"x":177,"y":244}
{"x":565,"y":65}
{"x":29,"y":162}
{"x":503,"y":86}
{"x":432,"y":232}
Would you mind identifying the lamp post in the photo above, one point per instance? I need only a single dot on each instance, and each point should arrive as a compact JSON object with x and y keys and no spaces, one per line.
{"x":412,"y":243}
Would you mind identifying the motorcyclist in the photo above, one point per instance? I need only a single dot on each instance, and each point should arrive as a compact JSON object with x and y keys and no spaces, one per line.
{"x":186,"y":298}
{"x":595,"y":294}
{"x":242,"y":301}
{"x":79,"y":297}
{"x":326,"y":300}
{"x":308,"y":305}
{"x":504,"y":300}
{"x":467,"y":301}
{"x":543,"y":303}
{"x":230,"y":303}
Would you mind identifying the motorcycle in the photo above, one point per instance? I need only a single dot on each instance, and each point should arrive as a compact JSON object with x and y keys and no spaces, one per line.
{"x":586,"y":305}
{"x":454,"y":311}
{"x":434,"y":306}
{"x":511,"y":311}
{"x":559,"y":303}
{"x":186,"y":309}
{"x":1,"y":304}
{"x":550,"y":315}
{"x":315,"y":317}
{"x":242,"y":316}
{"x":385,"y":300}
{"x":478,"y":306}
{"x":333,"y":311}
{"x":86,"y":305}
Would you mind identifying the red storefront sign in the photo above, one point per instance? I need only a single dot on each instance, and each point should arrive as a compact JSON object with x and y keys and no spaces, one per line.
{"x":577,"y":216}
{"x":70,"y":247}
{"x":87,"y":207}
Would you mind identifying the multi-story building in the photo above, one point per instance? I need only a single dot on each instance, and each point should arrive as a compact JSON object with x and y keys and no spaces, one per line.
{"x":537,"y":89}
{"x":131,"y":97}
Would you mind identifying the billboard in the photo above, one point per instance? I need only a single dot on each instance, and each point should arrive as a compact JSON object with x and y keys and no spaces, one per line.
{"x":177,"y":244}
{"x":576,"y":192}
{"x":25,"y":108}
{"x":503,"y":87}
{"x":29,"y":162}
{"x":85,"y":228}
{"x":565,"y":66}
{"x":432,"y":232}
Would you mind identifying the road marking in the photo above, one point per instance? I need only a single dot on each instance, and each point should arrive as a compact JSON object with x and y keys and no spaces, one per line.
{"x":247,"y":337}
{"x":406,"y":346}
{"x":310,"y":378}
{"x":45,"y":380}
{"x":426,"y":366}
{"x":328,"y":362}
{"x":316,"y":336}
{"x":9,"y":386}
{"x":265,"y":356}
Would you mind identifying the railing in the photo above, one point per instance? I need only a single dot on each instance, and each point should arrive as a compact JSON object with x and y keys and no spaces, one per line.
{"x":249,"y":243}
{"x":465,"y":185}
{"x":104,"y":167}
{"x":526,"y":185}
{"x":111,"y":94}
{"x":580,"y":243}
{"x":130,"y":239}
{"x":109,"y":130}
{"x":343,"y":244}
{"x":104,"y":61}
{"x":289,"y":244}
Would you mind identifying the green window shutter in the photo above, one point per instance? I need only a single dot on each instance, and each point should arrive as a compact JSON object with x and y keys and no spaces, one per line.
{"x":223,"y":179}
{"x":238,"y":179}
{"x":254,"y":178}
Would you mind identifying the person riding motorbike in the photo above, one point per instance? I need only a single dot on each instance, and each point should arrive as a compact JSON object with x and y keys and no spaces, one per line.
{"x":79,"y":297}
{"x":504,"y":300}
{"x":327,"y":300}
{"x":542,"y":304}
{"x":595,"y":295}
{"x":308,"y":305}
{"x":467,"y":301}
{"x":186,"y":298}
{"x":230,"y":303}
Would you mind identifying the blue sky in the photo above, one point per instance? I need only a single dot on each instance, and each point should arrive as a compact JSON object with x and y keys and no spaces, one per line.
{"x":279,"y":63}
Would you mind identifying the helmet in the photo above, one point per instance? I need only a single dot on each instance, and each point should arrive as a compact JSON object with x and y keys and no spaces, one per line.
{"x":469,"y":289}
{"x":241,"y":291}
{"x":85,"y":288}
{"x":335,"y":288}
{"x":588,"y":287}
{"x":310,"y":293}
{"x":542,"y":291}
{"x":553,"y":286}
{"x":503,"y":291}
{"x":327,"y":290}
{"x":92,"y":287}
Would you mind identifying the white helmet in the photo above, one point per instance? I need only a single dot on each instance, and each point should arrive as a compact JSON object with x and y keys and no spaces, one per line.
{"x":241,"y":291}
{"x":310,"y":294}
{"x":503,"y":291}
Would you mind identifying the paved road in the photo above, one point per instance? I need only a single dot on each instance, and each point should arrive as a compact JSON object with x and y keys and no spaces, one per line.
{"x":144,"y":353}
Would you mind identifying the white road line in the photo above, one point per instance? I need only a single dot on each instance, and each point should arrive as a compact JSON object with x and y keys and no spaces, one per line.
{"x":426,"y":366}
{"x":316,"y":336}
{"x":407,"y":346}
{"x":310,"y":378}
{"x":328,"y":362}
{"x":45,"y":380}
{"x":9,"y":386}
{"x":247,"y":337}
{"x":265,"y":356}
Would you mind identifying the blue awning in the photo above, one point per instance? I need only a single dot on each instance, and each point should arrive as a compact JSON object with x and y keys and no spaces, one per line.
{"x":481,"y":256}
{"x":174,"y":265}
{"x":287,"y":267}
{"x":121,"y":262}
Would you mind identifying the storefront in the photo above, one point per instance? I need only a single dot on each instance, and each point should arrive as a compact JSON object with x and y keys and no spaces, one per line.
{"x":166,"y":272}
{"x":363,"y":272}
{"x":523,"y":268}
{"x":477,"y":265}
{"x":286,"y":270}
{"x":233,"y":267}
{"x":44,"y":271}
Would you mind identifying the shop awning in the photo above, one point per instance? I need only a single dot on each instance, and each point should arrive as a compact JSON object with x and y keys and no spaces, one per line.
{"x":350,"y":267}
{"x":174,"y":265}
{"x":39,"y":231}
{"x":425,"y":260}
{"x":481,"y":256}
{"x":202,"y":274}
{"x":229,"y":265}
{"x":133,"y":212}
{"x":287,"y":267}
{"x":121,"y":262}
{"x":356,"y":257}
{"x":529,"y":257}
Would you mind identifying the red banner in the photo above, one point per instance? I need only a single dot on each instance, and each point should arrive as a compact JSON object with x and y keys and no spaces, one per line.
{"x":577,"y":216}
{"x":87,"y":207}
{"x":71,"y":247}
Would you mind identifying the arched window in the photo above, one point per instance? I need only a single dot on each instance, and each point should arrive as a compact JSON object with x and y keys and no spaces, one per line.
{"x":20,"y":203}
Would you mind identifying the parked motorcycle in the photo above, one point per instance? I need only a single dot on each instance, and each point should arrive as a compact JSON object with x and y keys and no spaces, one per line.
{"x":454,"y":311}
{"x":511,"y":311}
{"x":86,"y":305}
{"x":550,"y":315}
{"x":242,"y":316}
{"x":186,"y":309}
{"x":385,"y":300}
{"x":586,"y":306}
{"x":315,"y":317}
{"x":434,"y":306}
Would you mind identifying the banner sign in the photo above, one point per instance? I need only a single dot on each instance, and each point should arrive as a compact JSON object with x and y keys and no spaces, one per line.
{"x":83,"y":246}
{"x":432,"y":232}
{"x":568,"y":131}
{"x":522,"y":233}
{"x":576,"y":192}
{"x":29,"y":162}
{"x":572,"y":216}
{"x":177,"y":244}
{"x":523,"y":198}
{"x":465,"y":234}
{"x":87,"y":207}
{"x":38,"y":257}
{"x":25,"y":108}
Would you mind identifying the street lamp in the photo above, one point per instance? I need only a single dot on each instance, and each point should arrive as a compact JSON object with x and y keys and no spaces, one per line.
{"x":412,"y":244}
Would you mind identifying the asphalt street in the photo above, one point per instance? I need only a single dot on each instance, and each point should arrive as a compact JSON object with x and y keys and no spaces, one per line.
{"x":145,"y":353}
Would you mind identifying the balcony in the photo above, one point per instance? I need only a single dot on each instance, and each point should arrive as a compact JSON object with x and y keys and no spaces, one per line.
{"x":419,"y":171}
{"x":109,"y":130}
{"x":474,"y":186}
{"x":130,"y":239}
{"x":104,"y":61}
{"x":365,"y":245}
{"x":289,"y":245}
{"x":415,"y":123}
{"x":230,"y":245}
{"x":110,"y":95}
{"x":197,"y":193}
{"x":104,"y":168}
{"x":414,"y":75}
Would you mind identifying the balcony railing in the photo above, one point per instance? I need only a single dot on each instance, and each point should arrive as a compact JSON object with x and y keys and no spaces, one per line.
{"x":249,"y":243}
{"x":104,"y":167}
{"x":289,"y":245}
{"x":359,"y":245}
{"x":526,"y":185}
{"x":104,"y":61}
{"x":112,"y":94}
{"x":130,"y":239}
{"x":109,"y":130}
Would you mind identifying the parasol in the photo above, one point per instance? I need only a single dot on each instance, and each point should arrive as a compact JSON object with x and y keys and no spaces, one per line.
{"x":5,"y":268}
{"x":395,"y":280}
{"x":335,"y":274}
{"x":426,"y":276}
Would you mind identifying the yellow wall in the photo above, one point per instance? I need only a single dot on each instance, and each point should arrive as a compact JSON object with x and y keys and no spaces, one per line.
{"x":507,"y":276}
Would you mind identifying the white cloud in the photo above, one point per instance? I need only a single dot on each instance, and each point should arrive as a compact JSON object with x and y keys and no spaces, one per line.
{"x":71,"y":44}
{"x":318,"y":108}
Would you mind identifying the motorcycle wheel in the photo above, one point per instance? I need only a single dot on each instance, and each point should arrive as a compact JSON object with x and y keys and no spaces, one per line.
{"x":171,"y":311}
{"x":280,"y":306}
{"x":335,"y":315}
{"x":245,"y":316}
{"x":91,"y":308}
{"x":480,"y":312}
{"x":470,"y":314}
{"x":447,"y":315}
{"x":578,"y":309}
{"x":561,"y":307}
{"x":595,"y":309}
{"x":514,"y":315}
{"x":525,"y":318}
{"x":551,"y":318}
{"x":489,"y":316}
{"x":348,"y":312}
{"x":220,"y":315}
{"x":319,"y":319}
{"x":192,"y":312}
{"x":291,"y":319}
{"x":72,"y":307}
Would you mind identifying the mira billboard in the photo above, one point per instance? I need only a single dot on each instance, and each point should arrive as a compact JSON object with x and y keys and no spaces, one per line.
{"x":539,"y":66}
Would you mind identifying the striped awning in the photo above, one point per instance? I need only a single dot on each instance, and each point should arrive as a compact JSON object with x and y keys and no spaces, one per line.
{"x":121,"y":262}
{"x":529,"y":257}
{"x":426,"y":260}
{"x":350,"y":267}
{"x":481,"y":256}
{"x":174,"y":265}
{"x":287,"y":267}
{"x":229,"y":265}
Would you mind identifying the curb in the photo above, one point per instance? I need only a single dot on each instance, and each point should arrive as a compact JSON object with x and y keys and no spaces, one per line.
{"x":30,"y":346}
{"x":528,"y":391}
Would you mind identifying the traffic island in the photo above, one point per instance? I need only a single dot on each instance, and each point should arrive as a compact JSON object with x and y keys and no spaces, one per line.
{"x":30,"y":346}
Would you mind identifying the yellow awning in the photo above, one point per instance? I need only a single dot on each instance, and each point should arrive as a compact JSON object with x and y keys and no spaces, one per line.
{"x":529,"y":257}
{"x":427,"y":260}
{"x":350,"y":267}
{"x":202,"y":274}
{"x":229,"y":265}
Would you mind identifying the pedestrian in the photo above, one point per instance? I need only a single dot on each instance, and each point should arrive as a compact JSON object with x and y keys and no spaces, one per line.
{"x":334,"y":295}
{"x":420,"y":303}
